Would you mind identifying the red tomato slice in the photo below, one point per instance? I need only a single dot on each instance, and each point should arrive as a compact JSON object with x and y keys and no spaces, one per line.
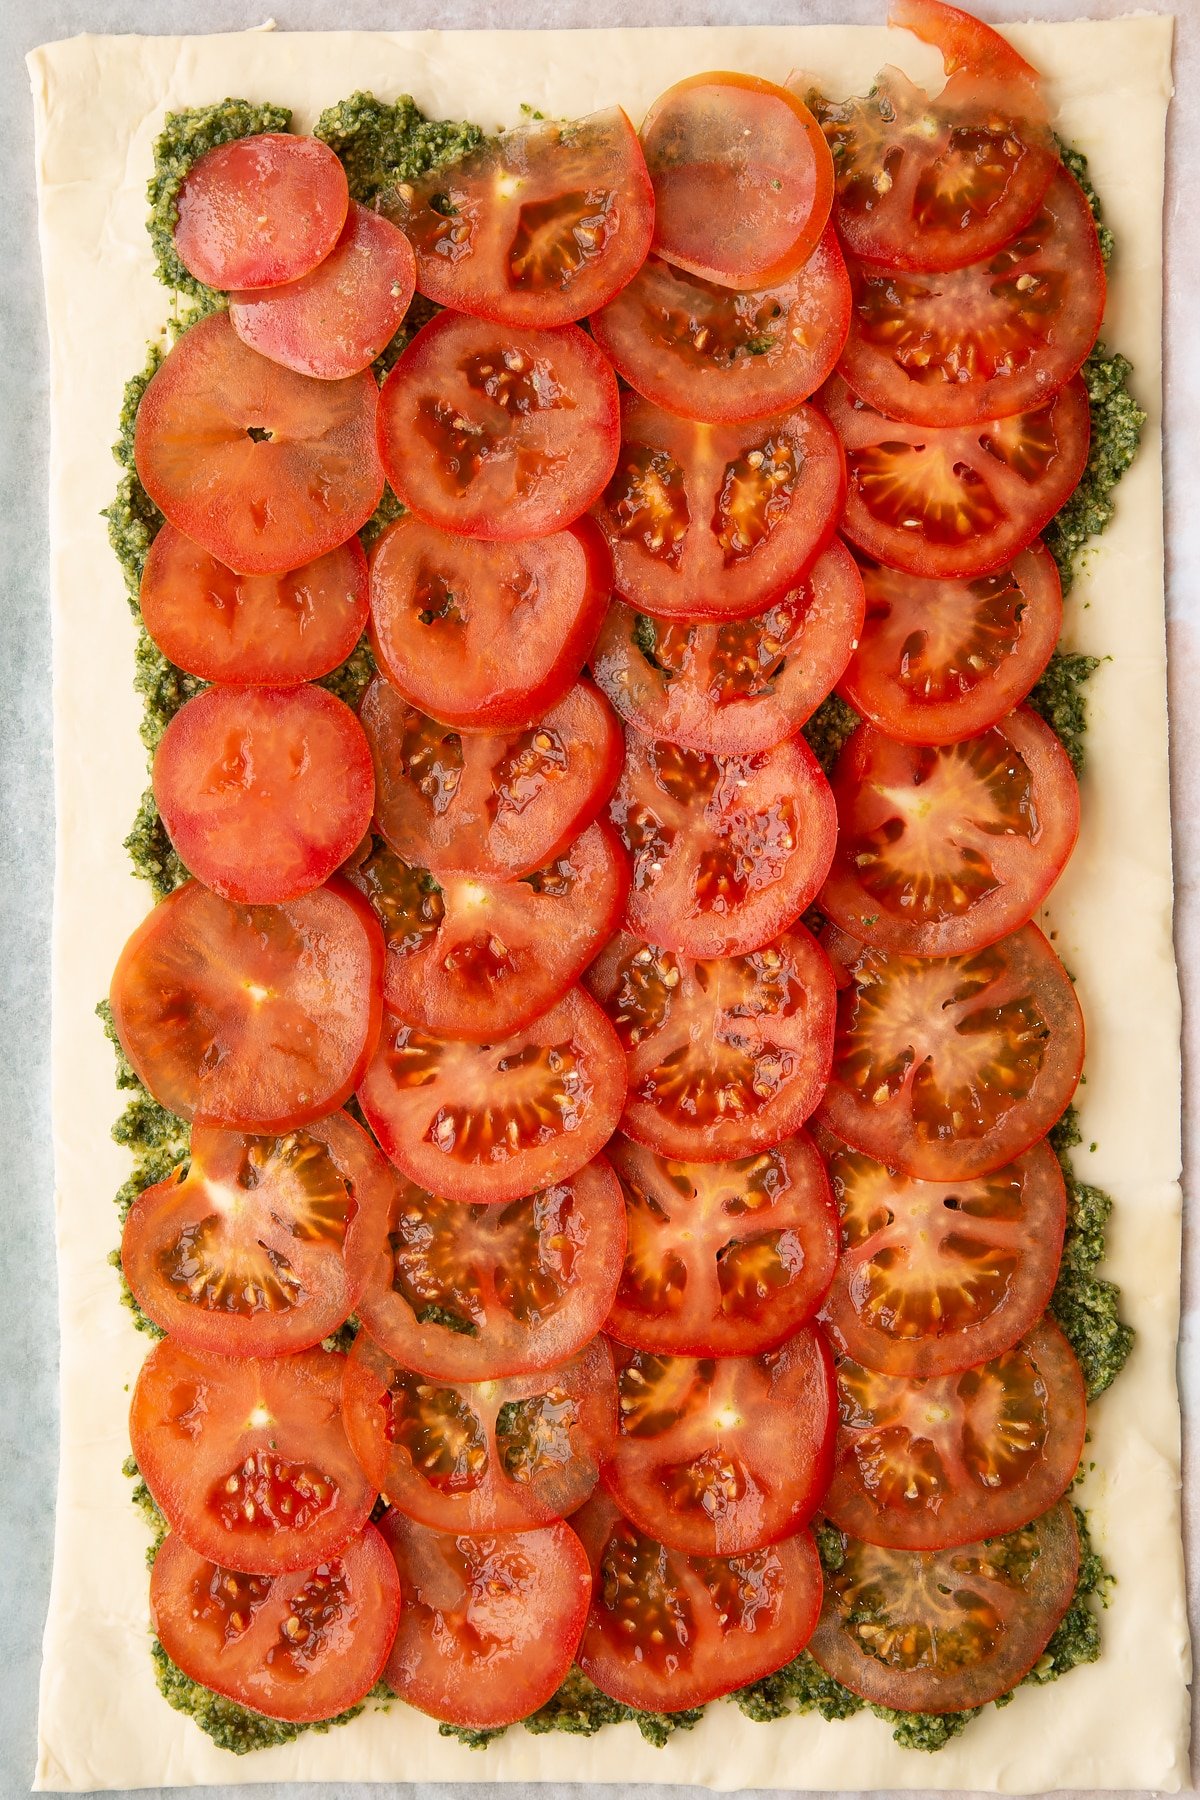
{"x":472,"y":1293}
{"x":942,"y":849}
{"x":259,"y":1245}
{"x":487,"y":1455}
{"x":725,"y":1057}
{"x":252,"y":630}
{"x":741,"y":685}
{"x":536,"y":227}
{"x":948,"y":1630}
{"x":725,"y":1454}
{"x":983,"y":342}
{"x":486,"y":636}
{"x":491,"y":1624}
{"x":495,"y":431}
{"x":718,"y":521}
{"x":265,"y":468}
{"x":336,"y":320}
{"x":668,"y":1631}
{"x":708,"y":352}
{"x":957,"y":501}
{"x":490,"y":806}
{"x":300,"y":1647}
{"x":935,"y":1276}
{"x":248,"y":1459}
{"x":260,"y":210}
{"x":481,"y":959}
{"x":724,"y":1259}
{"x":491,"y":1122}
{"x":264,"y":791}
{"x":743,"y":182}
{"x":939,"y":661}
{"x":949,"y":1068}
{"x":255,"y":1017}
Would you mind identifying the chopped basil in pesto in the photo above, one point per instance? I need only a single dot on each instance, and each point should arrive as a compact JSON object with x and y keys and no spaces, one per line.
{"x":1058,"y":697}
{"x":1086,"y":1306}
{"x":381,"y":144}
{"x":1117,"y":422}
{"x":184,"y":139}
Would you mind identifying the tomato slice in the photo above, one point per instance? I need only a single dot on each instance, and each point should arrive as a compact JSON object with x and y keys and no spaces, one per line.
{"x":486,"y":636}
{"x":490,"y":1624}
{"x":472,"y":1293}
{"x":949,"y":1068}
{"x":957,"y":501}
{"x":496,"y":431}
{"x":491,"y":1122}
{"x":264,"y":791}
{"x":481,"y":959}
{"x":945,"y":1631}
{"x":260,"y":210}
{"x":260,"y":1245}
{"x":739,"y":685}
{"x":248,"y":1459}
{"x":267,"y":469}
{"x":718,"y":521}
{"x":493,"y":806}
{"x":336,"y":320}
{"x":252,"y":630}
{"x":668,"y":1631}
{"x":487,"y":1455}
{"x":942,"y":849}
{"x":935,"y":1276}
{"x":537,"y":227}
{"x":709,"y":352}
{"x":723,"y":1454}
{"x":725,"y":1057}
{"x":724,"y":1259}
{"x":300,"y":1647}
{"x":256,"y":1017}
{"x":938,"y":661}
{"x":743,"y":182}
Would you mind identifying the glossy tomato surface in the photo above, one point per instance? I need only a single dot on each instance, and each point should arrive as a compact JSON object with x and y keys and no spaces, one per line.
{"x":260,"y":210}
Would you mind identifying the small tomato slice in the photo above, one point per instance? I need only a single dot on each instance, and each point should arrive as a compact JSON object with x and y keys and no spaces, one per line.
{"x":260,"y":210}
{"x":248,"y":1459}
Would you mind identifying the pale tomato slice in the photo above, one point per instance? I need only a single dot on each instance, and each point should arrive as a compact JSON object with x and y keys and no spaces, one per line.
{"x":260,"y":210}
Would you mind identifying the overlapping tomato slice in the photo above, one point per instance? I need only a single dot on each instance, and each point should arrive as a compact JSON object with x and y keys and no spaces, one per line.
{"x":260,"y":210}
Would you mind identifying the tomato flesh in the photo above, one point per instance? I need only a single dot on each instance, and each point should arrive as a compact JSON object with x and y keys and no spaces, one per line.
{"x":260,"y":210}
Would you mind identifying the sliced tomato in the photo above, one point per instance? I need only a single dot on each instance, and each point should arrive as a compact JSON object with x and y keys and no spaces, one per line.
{"x":723,"y":1454}
{"x":935,"y":1276}
{"x":743,"y":182}
{"x":949,"y":1068}
{"x":264,"y":791}
{"x":957,"y":501}
{"x":740,"y":685}
{"x":256,"y":1017}
{"x":940,"y":660}
{"x":725,"y":1057}
{"x":945,"y":1631}
{"x":491,"y":1122}
{"x":490,"y":805}
{"x":481,"y":959}
{"x":336,"y":320}
{"x":486,"y":1455}
{"x":724,"y":1259}
{"x":496,"y":431}
{"x":536,"y":227}
{"x":300,"y":1647}
{"x":252,"y":630}
{"x":259,"y":1245}
{"x":472,"y":1293}
{"x":668,"y":1631}
{"x":942,"y":849}
{"x":248,"y":1459}
{"x":490,"y":1624}
{"x":260,"y":210}
{"x":718,"y":521}
{"x":486,"y":636}
{"x":267,"y":469}
{"x":709,"y":352}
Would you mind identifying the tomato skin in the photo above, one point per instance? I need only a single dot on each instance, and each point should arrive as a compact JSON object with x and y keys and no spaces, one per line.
{"x":260,"y":210}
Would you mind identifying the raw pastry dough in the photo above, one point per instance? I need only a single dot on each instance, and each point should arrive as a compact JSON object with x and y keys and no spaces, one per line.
{"x":1120,"y":1723}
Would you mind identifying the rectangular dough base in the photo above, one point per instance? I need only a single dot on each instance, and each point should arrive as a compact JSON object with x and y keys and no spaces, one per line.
{"x":1121,"y":1723}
